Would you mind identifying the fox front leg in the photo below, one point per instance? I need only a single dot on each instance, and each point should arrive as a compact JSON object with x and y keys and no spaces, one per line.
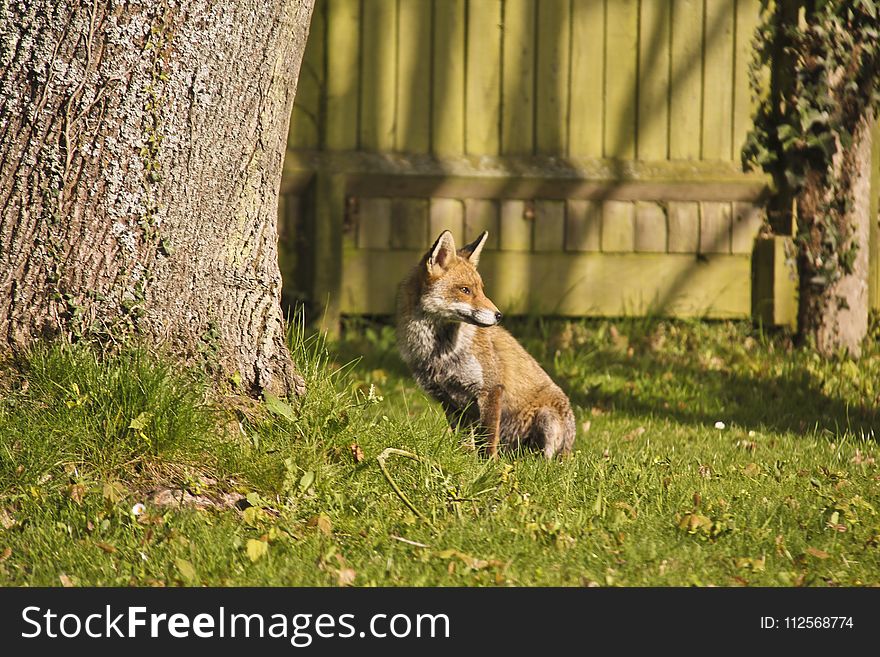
{"x":490,"y":418}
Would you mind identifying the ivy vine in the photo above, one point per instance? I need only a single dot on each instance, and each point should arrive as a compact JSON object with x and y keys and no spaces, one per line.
{"x":823,"y":59}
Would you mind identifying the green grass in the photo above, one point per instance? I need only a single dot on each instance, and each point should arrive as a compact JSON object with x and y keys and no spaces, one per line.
{"x":654,"y":494}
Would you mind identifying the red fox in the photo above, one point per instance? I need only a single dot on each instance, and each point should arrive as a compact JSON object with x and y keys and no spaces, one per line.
{"x":448,"y":334}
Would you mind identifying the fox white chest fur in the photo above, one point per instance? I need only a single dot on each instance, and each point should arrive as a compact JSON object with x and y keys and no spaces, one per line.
{"x":441,"y":359}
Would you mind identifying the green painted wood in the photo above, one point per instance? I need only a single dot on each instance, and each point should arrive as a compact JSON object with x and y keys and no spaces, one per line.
{"x":307,"y":118}
{"x":516,"y":226}
{"x":685,"y":105}
{"x":549,"y":225}
{"x":343,"y":80}
{"x":518,"y":84}
{"x":747,"y":221}
{"x":373,"y":223}
{"x":409,"y":223}
{"x":718,"y":81}
{"x":618,"y":227}
{"x":571,"y":284}
{"x":650,"y":230}
{"x":748,"y":13}
{"x":378,"y":75}
{"x":653,"y":115}
{"x":483,"y":78}
{"x":414,"y":76}
{"x":479,"y":215}
{"x":448,"y":65}
{"x":583,"y":225}
{"x":621,"y":80}
{"x":715,"y":227}
{"x":552,"y":83}
{"x":774,"y":282}
{"x":586,"y":118}
{"x":330,"y":211}
{"x":446,"y":214}
{"x":684,"y":226}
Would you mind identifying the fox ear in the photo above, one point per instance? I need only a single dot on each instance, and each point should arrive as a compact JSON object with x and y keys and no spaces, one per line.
{"x":442,"y":253}
{"x":472,"y":251}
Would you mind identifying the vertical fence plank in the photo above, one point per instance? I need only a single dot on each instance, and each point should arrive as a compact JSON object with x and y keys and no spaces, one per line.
{"x":715,"y":228}
{"x":518,"y":85}
{"x":414,"y":76}
{"x":552,"y":83}
{"x":378,"y":75}
{"x":326,"y":258}
{"x":650,"y":228}
{"x":516,"y":228}
{"x":747,"y":221}
{"x":305,"y":122}
{"x":586,"y":118}
{"x":583,"y":224}
{"x":409,"y":223}
{"x":549,"y":225}
{"x":343,"y":43}
{"x":447,"y":119}
{"x":653,"y":123}
{"x":446,"y":214}
{"x":685,"y":82}
{"x":618,"y":227}
{"x":621,"y":82}
{"x":748,"y":13}
{"x":481,"y":214}
{"x":719,"y":80}
{"x":684,"y":226}
{"x":483,"y":78}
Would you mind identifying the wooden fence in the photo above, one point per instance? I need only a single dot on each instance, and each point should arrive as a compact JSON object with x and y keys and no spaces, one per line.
{"x":597,"y":140}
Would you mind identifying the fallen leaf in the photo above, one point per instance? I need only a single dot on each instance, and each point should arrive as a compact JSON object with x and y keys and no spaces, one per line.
{"x":141,"y":421}
{"x":109,"y":549}
{"x":5,"y":554}
{"x":66,"y":582}
{"x":113,"y":491}
{"x":815,"y":552}
{"x":755,"y":565}
{"x":346,"y":576}
{"x":752,"y":470}
{"x":357,"y":453}
{"x":6,"y":520}
{"x":186,"y":569}
{"x":306,"y":480}
{"x":252,"y":515}
{"x":322,"y":523}
{"x":76,"y":492}
{"x":694,"y":522}
{"x":633,"y":434}
{"x":256,"y":549}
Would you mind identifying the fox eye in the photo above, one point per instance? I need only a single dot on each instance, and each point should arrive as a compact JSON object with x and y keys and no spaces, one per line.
{"x":465,"y":290}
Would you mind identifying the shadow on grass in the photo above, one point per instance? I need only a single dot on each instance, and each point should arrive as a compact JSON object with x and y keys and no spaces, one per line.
{"x":704,"y":375}
{"x":700,"y":397}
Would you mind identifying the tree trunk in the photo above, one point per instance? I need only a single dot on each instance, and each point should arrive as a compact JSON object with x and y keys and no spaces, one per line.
{"x":141,"y":148}
{"x":836,"y":316}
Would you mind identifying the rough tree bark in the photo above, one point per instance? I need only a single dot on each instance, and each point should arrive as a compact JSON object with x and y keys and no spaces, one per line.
{"x":836,"y":316}
{"x":141,"y":148}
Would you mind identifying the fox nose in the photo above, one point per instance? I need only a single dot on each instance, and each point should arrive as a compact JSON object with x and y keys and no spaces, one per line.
{"x":497,"y":316}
